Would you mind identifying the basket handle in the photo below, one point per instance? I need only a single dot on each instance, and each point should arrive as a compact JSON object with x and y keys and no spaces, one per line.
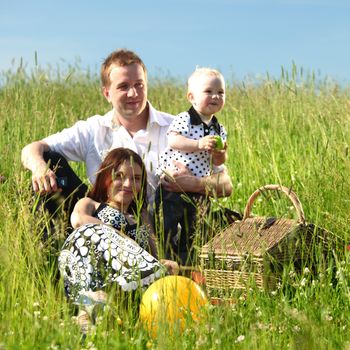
{"x":292,"y":196}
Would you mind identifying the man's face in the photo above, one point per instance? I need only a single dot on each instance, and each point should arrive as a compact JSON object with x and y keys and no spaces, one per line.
{"x":128,"y":91}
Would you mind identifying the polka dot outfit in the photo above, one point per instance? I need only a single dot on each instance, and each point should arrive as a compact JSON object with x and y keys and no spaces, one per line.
{"x":97,"y":255}
{"x":190,"y":125}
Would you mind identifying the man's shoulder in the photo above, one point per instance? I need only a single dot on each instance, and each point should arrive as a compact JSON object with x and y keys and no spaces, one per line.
{"x":103,"y":120}
{"x":94,"y":124}
{"x":89,"y":126}
{"x":168,"y":118}
{"x":95,"y":120}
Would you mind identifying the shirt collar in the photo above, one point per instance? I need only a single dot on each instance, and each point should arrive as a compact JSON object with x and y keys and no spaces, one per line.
{"x":195,"y":119}
{"x":154,"y":117}
{"x":107,"y":119}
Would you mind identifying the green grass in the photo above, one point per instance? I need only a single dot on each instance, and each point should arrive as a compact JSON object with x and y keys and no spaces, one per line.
{"x":293,"y":130}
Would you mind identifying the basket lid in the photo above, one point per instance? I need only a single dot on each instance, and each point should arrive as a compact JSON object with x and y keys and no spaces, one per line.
{"x":254,"y":236}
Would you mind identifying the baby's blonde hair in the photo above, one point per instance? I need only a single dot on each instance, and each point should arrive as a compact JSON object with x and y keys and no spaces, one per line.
{"x":199,"y":71}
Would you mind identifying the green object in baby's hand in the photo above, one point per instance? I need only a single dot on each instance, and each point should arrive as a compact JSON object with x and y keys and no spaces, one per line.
{"x":219,"y":143}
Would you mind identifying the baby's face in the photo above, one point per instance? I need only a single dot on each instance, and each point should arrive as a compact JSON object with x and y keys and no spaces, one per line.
{"x":207,"y":94}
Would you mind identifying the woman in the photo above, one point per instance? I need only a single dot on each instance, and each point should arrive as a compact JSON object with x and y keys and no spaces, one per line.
{"x":112,"y":243}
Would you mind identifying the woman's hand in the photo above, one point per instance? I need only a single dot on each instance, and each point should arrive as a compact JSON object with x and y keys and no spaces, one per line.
{"x":171,"y":266}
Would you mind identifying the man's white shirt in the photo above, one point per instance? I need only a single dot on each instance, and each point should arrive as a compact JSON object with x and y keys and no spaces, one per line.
{"x":90,"y":140}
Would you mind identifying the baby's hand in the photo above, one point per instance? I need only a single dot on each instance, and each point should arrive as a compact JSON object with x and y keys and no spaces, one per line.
{"x":207,"y":143}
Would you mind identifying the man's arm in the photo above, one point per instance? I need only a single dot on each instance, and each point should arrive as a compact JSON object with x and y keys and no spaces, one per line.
{"x":216,"y":185}
{"x":43,"y":178}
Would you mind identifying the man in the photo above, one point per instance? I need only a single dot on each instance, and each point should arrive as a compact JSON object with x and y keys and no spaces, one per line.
{"x":132,"y":123}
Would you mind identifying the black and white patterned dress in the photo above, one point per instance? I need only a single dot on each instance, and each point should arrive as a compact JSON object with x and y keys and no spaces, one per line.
{"x":97,"y":255}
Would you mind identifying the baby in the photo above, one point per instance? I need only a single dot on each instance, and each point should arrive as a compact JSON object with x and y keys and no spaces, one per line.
{"x":197,"y":140}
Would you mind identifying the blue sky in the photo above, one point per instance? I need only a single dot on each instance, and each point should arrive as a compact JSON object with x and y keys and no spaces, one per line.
{"x":241,"y":38}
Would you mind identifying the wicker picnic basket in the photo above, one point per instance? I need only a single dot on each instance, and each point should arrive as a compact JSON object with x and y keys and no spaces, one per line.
{"x":254,"y":250}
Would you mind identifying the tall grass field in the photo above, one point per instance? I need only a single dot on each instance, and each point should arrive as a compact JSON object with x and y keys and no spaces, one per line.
{"x":293,"y":130}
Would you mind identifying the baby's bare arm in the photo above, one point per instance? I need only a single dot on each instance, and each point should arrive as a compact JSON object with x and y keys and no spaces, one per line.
{"x":182,"y":143}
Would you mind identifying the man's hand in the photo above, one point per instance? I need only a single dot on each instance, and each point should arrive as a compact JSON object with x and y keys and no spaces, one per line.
{"x":174,"y":181}
{"x":182,"y":180}
{"x":44,"y":180}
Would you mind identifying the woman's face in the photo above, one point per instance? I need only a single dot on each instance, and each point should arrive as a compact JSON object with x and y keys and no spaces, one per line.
{"x":126,"y":184}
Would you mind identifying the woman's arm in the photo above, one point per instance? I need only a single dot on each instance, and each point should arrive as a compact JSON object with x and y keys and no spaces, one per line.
{"x":82,"y":213}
